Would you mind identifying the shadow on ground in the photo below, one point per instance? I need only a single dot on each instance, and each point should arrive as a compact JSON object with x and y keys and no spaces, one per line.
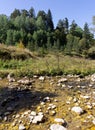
{"x":12,"y":100}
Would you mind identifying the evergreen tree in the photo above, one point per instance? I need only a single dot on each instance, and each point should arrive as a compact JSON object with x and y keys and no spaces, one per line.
{"x":73,"y":28}
{"x":60,"y":24}
{"x":86,"y":31}
{"x":87,"y":35}
{"x":50,"y":24}
{"x":32,"y":13}
{"x":16,"y":36}
{"x":40,"y":38}
{"x":24,"y":13}
{"x":42,"y":14}
{"x":40,"y":23}
{"x":66,"y":25}
{"x":4,"y":26}
{"x":19,"y":22}
{"x":78,"y":32}
{"x":15,"y":13}
{"x":9,"y":40}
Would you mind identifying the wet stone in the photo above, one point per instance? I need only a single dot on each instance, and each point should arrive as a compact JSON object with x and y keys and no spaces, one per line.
{"x":7,"y":113}
{"x":9,"y":109}
{"x":5,"y":118}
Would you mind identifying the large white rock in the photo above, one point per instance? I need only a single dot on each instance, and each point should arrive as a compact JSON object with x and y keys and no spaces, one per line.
{"x":38,"y":119}
{"x":41,"y":78}
{"x":57,"y":127}
{"x":22,"y":127}
{"x":77,"y":110}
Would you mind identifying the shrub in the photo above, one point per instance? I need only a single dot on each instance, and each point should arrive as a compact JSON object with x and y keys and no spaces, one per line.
{"x":91,"y":52}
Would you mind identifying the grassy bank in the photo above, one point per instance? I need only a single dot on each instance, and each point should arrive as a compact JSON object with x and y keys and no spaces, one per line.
{"x":22,"y":62}
{"x":48,"y":65}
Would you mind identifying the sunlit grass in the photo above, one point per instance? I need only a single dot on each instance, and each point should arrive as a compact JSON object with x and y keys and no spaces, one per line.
{"x":49,"y":65}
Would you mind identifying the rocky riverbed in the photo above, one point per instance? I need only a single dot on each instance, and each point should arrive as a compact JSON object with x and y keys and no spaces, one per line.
{"x":47,"y":103}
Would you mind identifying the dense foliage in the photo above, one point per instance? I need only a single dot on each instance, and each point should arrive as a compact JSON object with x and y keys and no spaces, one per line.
{"x":37,"y":33}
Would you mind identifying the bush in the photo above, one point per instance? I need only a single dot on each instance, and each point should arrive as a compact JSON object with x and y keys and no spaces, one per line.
{"x":4,"y":54}
{"x":11,"y":52}
{"x":91,"y":53}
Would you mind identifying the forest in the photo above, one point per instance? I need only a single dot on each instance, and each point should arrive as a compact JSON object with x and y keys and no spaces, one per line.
{"x":37,"y":33}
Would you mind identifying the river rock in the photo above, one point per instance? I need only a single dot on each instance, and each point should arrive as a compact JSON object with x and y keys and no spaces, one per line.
{"x":40,"y":113}
{"x":46,"y":99}
{"x":85,"y":97}
{"x":22,"y":127}
{"x":52,"y":113}
{"x":93,"y":121}
{"x":25,"y":81}
{"x":7,"y":113}
{"x":33,"y":113}
{"x":59,"y":121}
{"x":42,"y":103}
{"x":10,"y":78}
{"x":9,"y":108}
{"x":62,"y":80}
{"x":57,"y":127}
{"x":52,"y":106}
{"x":27,"y":112}
{"x":77,"y":110}
{"x":5,"y":118}
{"x":35,"y":76}
{"x":41,"y":78}
{"x":31,"y":118}
{"x":38,"y":119}
{"x":93,"y":77}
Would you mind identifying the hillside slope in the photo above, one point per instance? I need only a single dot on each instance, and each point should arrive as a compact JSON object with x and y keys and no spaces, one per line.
{"x":11,"y":52}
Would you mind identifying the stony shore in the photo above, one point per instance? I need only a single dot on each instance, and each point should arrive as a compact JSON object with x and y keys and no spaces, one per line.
{"x":47,"y":103}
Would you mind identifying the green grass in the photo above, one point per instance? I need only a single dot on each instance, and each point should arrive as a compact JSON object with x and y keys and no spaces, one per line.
{"x":22,"y":62}
{"x":49,"y":65}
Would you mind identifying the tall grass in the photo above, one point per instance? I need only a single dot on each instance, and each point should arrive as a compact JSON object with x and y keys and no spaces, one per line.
{"x":48,"y":65}
{"x":22,"y":62}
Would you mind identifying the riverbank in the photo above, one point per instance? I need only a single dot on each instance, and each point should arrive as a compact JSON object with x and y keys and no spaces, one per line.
{"x":24,"y":100}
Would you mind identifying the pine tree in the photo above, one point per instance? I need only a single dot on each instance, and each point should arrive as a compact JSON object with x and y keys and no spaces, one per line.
{"x":15,"y":13}
{"x":50,"y":24}
{"x":66,"y":25}
{"x":32,"y":13}
{"x":73,"y":28}
{"x":86,"y":31}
